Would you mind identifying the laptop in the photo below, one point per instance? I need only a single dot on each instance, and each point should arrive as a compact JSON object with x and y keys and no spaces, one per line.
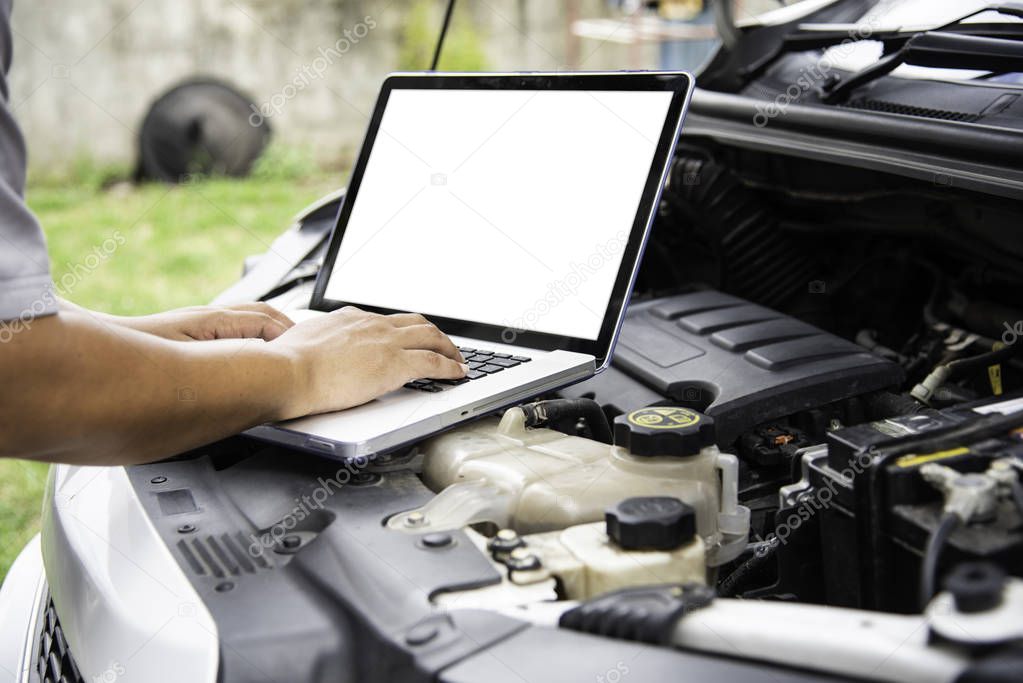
{"x":512,"y":211}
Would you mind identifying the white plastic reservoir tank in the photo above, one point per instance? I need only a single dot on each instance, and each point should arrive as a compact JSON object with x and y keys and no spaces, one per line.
{"x":535,"y":479}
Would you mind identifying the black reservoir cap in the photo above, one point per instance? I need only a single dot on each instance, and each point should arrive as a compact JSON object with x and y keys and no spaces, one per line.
{"x":976,"y":586}
{"x":664,"y":430}
{"x":651,"y":523}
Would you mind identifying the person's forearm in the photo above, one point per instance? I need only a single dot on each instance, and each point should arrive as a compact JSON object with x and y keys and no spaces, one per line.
{"x":198,"y":323}
{"x":66,"y":306}
{"x":79,"y":389}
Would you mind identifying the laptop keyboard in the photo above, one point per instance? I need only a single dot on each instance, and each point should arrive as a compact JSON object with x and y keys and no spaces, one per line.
{"x":481,"y":364}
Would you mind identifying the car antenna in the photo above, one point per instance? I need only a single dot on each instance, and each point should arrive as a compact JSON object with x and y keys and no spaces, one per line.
{"x":443,"y":33}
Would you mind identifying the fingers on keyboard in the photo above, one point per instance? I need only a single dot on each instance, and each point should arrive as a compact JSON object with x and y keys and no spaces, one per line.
{"x":481,"y":364}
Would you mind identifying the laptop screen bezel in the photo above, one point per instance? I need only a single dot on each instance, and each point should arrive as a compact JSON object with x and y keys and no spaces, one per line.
{"x":680,"y":83}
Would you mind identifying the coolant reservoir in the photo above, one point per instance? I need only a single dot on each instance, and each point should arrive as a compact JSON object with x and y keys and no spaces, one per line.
{"x":645,"y":540}
{"x":538,"y":480}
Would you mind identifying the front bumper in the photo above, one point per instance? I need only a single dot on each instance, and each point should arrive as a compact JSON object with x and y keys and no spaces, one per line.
{"x":126,"y":609}
{"x":21,"y":595}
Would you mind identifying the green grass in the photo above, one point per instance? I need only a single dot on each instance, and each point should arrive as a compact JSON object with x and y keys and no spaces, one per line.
{"x":21,"y":493}
{"x":132,"y":250}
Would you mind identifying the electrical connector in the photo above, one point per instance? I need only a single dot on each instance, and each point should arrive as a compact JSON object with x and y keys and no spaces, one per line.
{"x":1005,"y":471}
{"x":973,"y":497}
{"x":925,"y":390}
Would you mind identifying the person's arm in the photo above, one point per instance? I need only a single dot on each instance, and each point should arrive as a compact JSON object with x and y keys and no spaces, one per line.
{"x":79,"y":389}
{"x":201,"y":323}
{"x":87,"y":388}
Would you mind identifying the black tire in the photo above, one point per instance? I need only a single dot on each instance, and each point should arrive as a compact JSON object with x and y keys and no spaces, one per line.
{"x":200,"y":127}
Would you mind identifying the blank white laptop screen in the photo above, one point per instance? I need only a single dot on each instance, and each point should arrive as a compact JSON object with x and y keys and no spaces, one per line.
{"x":510,"y":208}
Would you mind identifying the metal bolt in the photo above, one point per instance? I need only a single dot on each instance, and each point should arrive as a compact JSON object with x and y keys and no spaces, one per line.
{"x":158,"y":480}
{"x":224,"y":587}
{"x":437,"y":540}
{"x":504,"y":542}
{"x":421,"y":634}
{"x":291,"y":542}
{"x":186,"y":528}
{"x":415,"y":519}
{"x":364,"y":478}
{"x":521,"y":559}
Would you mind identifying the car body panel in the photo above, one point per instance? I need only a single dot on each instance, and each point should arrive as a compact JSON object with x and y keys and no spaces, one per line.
{"x":124,"y":603}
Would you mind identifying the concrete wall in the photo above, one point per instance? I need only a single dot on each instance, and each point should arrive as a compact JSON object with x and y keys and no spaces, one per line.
{"x":84,"y":74}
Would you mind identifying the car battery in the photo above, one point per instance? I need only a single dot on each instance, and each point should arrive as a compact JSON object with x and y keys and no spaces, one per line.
{"x":876,"y":512}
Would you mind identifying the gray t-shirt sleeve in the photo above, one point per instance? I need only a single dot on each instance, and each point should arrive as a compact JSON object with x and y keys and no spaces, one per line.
{"x":26,"y":288}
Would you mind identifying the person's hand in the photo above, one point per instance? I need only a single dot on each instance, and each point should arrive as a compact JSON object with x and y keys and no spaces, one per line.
{"x":202,"y":323}
{"x":348,"y":357}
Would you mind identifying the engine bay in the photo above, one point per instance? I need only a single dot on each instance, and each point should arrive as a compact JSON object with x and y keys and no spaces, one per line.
{"x":813,"y":417}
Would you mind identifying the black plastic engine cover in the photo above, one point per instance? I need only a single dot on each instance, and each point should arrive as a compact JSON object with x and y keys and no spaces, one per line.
{"x":740,"y":363}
